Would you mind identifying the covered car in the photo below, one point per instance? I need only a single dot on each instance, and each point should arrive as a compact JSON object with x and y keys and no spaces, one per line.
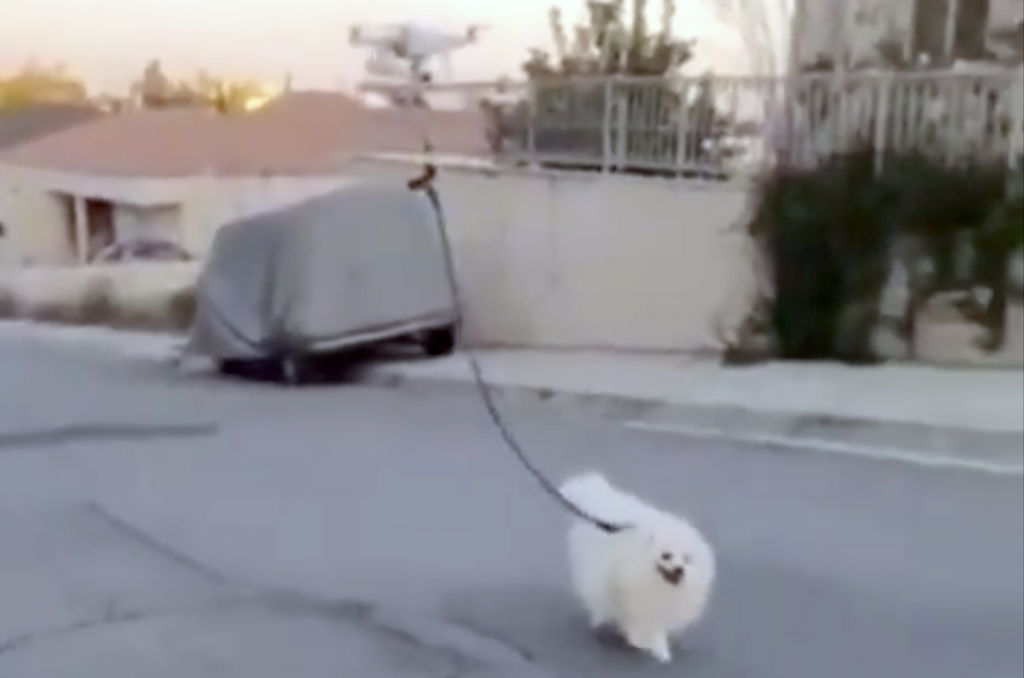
{"x":359,"y":265}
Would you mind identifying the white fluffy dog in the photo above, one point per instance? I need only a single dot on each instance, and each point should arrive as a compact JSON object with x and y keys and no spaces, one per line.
{"x":651,"y":581}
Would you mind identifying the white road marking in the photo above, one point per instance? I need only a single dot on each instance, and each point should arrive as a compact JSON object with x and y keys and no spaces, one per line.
{"x":835,"y":447}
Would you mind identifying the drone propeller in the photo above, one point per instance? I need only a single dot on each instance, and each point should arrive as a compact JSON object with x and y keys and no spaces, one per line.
{"x":473,"y":31}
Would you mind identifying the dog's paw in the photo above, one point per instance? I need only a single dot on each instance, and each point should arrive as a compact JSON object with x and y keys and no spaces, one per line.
{"x":654,"y":644}
{"x":660,"y":651}
{"x":598,"y":620}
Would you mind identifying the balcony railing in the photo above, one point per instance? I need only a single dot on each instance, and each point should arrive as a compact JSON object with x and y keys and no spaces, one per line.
{"x":721,"y":127}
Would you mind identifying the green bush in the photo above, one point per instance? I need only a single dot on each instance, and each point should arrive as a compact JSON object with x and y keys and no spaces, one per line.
{"x":829,"y":236}
{"x":824,"y":245}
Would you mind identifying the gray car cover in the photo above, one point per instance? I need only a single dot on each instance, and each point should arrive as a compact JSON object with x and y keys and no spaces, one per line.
{"x":357,"y":265}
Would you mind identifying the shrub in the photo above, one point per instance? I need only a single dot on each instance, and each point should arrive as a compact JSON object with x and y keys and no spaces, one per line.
{"x":824,"y":246}
{"x":832,"y":235}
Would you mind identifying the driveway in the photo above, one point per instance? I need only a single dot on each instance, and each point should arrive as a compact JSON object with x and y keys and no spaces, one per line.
{"x":157,"y":524}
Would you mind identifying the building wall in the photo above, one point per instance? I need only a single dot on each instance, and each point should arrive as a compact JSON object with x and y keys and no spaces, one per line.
{"x":185,"y":209}
{"x":854,"y":29}
{"x":32,"y":220}
{"x":33,"y":204}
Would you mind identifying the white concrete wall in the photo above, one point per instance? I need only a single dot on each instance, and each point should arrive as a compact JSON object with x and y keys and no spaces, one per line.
{"x":33,"y":221}
{"x":574,"y":261}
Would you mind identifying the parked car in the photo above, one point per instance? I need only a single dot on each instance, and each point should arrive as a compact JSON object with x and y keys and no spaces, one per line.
{"x":291,"y":294}
{"x":142,"y":249}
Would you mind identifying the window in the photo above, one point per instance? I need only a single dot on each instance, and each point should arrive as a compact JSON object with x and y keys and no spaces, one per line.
{"x":933,"y":39}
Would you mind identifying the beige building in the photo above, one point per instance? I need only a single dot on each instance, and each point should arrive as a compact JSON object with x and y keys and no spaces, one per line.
{"x":881,"y":33}
{"x":177,"y":174}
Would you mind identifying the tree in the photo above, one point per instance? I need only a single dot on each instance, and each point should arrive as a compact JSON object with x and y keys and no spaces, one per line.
{"x":224,"y":94}
{"x":155,"y":89}
{"x":579,"y":118}
{"x":38,"y":82}
{"x":612,"y":43}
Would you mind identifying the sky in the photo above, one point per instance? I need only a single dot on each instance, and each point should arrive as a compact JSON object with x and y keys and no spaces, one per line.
{"x":109,"y":41}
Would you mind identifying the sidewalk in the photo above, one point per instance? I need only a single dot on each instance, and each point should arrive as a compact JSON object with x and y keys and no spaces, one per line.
{"x":919,"y":413}
{"x":981,"y":400}
{"x":928,"y":416}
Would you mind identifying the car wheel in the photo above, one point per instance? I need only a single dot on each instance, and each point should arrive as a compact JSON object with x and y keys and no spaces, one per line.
{"x":439,"y":342}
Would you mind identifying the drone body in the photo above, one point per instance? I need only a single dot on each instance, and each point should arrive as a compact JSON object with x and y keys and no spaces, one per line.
{"x":400,"y":54}
{"x":412,"y":42}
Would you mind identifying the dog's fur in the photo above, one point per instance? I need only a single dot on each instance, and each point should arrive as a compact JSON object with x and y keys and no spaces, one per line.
{"x":651,"y":581}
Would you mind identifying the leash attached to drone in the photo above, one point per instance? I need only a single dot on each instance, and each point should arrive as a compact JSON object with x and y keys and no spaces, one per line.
{"x":425,"y":183}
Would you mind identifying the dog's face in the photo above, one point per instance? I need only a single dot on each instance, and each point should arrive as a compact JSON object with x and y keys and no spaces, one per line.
{"x":670,"y":559}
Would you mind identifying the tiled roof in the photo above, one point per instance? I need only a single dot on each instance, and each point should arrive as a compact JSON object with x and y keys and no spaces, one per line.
{"x":300,"y":133}
{"x":26,"y":123}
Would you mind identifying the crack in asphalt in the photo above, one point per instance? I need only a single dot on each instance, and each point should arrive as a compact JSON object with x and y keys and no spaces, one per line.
{"x":25,"y":641}
{"x":56,"y":436}
{"x":466,"y":650}
{"x":149,"y":542}
{"x":359,"y":613}
{"x":477,"y":629}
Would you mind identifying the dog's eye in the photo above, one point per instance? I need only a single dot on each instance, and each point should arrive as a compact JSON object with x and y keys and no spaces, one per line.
{"x":666,"y":556}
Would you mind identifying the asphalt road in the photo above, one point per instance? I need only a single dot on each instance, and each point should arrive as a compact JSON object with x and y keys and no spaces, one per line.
{"x":248,"y":531}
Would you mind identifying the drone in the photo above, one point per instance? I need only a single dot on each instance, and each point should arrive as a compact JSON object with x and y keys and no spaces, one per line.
{"x":402,"y":50}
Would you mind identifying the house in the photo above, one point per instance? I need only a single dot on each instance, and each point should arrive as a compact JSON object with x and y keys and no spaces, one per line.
{"x":179,"y":173}
{"x":23,"y":124}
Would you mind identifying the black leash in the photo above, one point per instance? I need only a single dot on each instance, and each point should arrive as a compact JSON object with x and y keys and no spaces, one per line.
{"x":425,"y":183}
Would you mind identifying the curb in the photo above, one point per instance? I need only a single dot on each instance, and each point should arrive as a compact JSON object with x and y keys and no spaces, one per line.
{"x":986,"y":451}
{"x":133,"y":343}
{"x":991,"y":452}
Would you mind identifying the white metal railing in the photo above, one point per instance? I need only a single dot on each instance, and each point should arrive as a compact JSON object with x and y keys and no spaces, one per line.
{"x":950,"y":114}
{"x":705,"y":127}
{"x":724,"y":126}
